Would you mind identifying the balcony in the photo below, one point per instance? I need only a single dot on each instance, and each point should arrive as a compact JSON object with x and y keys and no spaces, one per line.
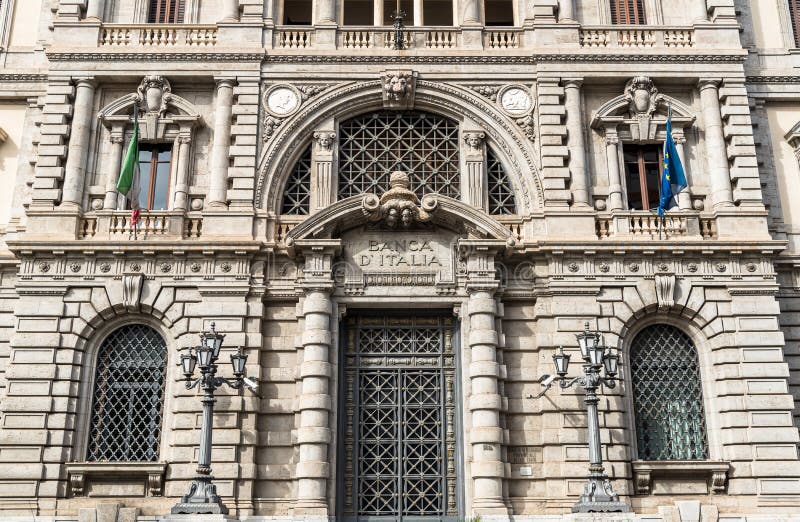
{"x":155,"y":225}
{"x":370,"y":37}
{"x":636,"y":37}
{"x":157,"y":35}
{"x":647,"y":226}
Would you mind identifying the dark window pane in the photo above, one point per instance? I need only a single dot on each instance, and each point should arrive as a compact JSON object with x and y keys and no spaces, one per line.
{"x":437,"y":12}
{"x":359,"y":12}
{"x":297,"y":12}
{"x":390,"y":6}
{"x":161,"y":187}
{"x":642,"y":167}
{"x":499,"y":12}
{"x":145,"y":165}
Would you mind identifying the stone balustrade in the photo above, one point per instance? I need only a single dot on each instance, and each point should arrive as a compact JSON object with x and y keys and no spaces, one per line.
{"x":638,"y":37}
{"x":647,"y":225}
{"x":116,"y":225}
{"x":157,"y":35}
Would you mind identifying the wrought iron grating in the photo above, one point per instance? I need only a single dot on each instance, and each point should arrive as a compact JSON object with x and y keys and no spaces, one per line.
{"x":400,"y":441}
{"x":667,"y":396}
{"x":297,"y":192}
{"x":128,"y":396}
{"x":501,"y":194}
{"x":424,"y":145}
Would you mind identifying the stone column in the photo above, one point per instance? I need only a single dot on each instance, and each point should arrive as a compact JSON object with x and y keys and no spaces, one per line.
{"x":230,"y":11}
{"x":314,"y":403}
{"x":576,"y":144}
{"x":614,"y":180}
{"x":699,"y":11}
{"x":377,"y":13}
{"x":180,"y":202}
{"x":418,"y":20}
{"x":472,"y":12}
{"x":75,"y":168}
{"x":95,"y":10}
{"x":323,"y":178}
{"x":113,"y":167}
{"x":485,"y":402}
{"x":684,"y":199}
{"x":716,"y":150}
{"x":218,"y":184}
{"x":326,"y":12}
{"x":566,"y":11}
{"x":474,"y":182}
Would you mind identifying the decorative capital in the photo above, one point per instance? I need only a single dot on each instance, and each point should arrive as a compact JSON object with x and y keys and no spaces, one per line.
{"x":399,"y":206}
{"x":474,"y":140}
{"x":398,"y":89}
{"x":325,"y":141}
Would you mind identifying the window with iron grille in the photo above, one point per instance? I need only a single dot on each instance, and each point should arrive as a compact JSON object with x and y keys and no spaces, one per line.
{"x":297,"y":193}
{"x":794,"y":12}
{"x":424,"y":145}
{"x":667,"y":396}
{"x":501,"y":195}
{"x":628,"y":12}
{"x":166,"y":11}
{"x":128,"y":396}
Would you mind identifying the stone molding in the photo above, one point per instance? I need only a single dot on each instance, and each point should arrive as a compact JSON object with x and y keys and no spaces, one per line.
{"x":644,"y":472}
{"x":488,"y":59}
{"x":81,"y":472}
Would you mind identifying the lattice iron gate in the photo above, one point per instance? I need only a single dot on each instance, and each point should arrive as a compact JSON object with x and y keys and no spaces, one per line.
{"x":399,"y":449}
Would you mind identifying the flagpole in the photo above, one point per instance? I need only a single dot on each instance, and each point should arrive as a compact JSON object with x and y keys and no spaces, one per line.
{"x":136,"y":126}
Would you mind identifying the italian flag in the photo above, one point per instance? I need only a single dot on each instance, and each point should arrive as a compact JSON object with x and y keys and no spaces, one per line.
{"x":129,"y":183}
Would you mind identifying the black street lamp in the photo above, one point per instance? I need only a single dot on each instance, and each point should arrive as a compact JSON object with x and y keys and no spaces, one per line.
{"x":598,"y":495}
{"x":202,"y":497}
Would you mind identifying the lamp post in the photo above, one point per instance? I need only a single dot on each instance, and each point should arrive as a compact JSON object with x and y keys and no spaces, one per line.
{"x":598,"y":495}
{"x":202,"y":497}
{"x":398,"y":14}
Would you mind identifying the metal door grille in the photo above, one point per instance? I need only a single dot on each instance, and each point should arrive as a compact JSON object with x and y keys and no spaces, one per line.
{"x":297,"y":192}
{"x":501,"y":195}
{"x":425,"y":145}
{"x":667,"y":396}
{"x":399,"y":416}
{"x":128,"y":396}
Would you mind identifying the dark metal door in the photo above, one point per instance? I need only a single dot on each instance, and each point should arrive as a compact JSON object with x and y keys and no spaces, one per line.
{"x":399,"y":419}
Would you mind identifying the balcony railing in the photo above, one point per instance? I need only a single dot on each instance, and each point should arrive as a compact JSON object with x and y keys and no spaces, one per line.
{"x":370,"y":37}
{"x":152,"y":225}
{"x":647,"y":225}
{"x":636,"y":37}
{"x":158,"y":35}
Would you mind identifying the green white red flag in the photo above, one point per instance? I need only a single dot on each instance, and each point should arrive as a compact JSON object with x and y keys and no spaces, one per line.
{"x":129,"y":184}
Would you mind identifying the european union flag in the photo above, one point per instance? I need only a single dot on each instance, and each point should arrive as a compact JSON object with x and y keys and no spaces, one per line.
{"x":673,"y":179}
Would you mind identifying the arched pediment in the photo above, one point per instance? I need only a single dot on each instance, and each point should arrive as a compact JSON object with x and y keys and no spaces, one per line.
{"x":440,"y":211}
{"x":291,"y":135}
{"x":640,"y":112}
{"x":158,"y":108}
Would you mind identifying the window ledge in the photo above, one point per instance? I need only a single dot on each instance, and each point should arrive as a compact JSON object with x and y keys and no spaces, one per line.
{"x":644,"y":470}
{"x":79,"y":472}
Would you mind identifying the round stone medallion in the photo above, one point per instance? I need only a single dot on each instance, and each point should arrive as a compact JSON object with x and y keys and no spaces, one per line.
{"x":515,"y":100}
{"x":282,"y":100}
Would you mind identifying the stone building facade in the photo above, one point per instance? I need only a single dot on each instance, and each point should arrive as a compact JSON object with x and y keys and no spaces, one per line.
{"x":400,"y":240}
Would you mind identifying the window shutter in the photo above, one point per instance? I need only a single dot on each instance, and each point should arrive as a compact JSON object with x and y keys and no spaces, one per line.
{"x":628,"y":12}
{"x":794,"y":14}
{"x":166,"y":11}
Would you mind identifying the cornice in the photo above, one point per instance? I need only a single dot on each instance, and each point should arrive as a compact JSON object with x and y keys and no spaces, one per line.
{"x":23,"y":77}
{"x":493,"y":59}
{"x":772,"y":79}
{"x":155,"y":57}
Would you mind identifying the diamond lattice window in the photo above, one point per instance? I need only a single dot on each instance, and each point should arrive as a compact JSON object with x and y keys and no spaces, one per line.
{"x":667,"y":397}
{"x":372,"y":146}
{"x":297,"y":193}
{"x":501,"y":195}
{"x":128,"y":396}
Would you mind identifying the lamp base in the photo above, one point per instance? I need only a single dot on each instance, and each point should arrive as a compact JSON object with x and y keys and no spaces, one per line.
{"x":202,"y":499}
{"x":599,"y":497}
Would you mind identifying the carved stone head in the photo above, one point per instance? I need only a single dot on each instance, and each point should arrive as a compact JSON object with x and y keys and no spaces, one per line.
{"x":324,"y":140}
{"x":398,"y":88}
{"x":473,"y":141}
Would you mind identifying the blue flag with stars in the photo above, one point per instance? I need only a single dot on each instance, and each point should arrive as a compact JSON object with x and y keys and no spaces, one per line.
{"x":673,"y":178}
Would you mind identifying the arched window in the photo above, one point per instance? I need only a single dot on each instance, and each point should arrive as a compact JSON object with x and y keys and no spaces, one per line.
{"x":372,"y":146}
{"x":501,"y":195}
{"x":297,"y":192}
{"x":128,"y":396}
{"x":667,"y":396}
